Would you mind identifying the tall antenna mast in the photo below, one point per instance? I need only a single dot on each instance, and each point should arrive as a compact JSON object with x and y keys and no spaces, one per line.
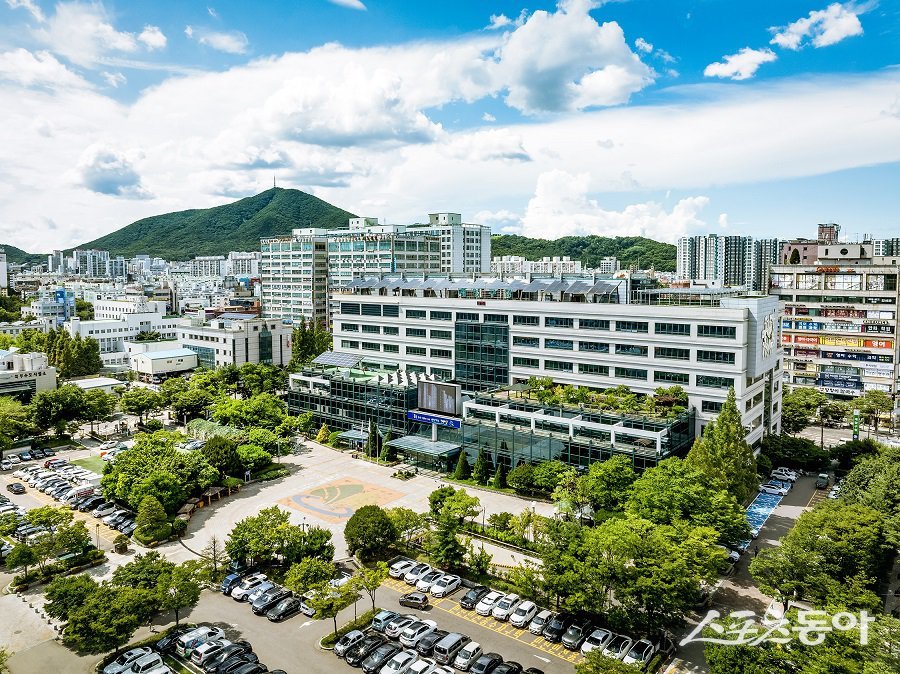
{"x":273,"y":181}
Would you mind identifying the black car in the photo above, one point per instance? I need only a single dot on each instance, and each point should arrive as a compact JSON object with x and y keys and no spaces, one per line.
{"x":426,"y":644}
{"x":49,"y":452}
{"x":238,"y":648}
{"x":510,"y":667}
{"x":286,"y":608}
{"x":379,"y":656}
{"x":355,"y":655}
{"x":473,"y":596}
{"x":269,"y":599}
{"x":557,"y":627}
{"x":167,"y":643}
{"x":90,"y":503}
{"x":16,"y":488}
{"x":533,"y":670}
{"x":486,"y":663}
{"x":577,"y":632}
{"x":250,"y":668}
{"x":228,"y":666}
{"x":37,"y":454}
{"x":414,"y":600}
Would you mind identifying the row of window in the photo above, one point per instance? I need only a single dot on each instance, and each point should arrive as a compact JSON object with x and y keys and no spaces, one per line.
{"x":660,"y":376}
{"x":672,"y":353}
{"x":446,"y":354}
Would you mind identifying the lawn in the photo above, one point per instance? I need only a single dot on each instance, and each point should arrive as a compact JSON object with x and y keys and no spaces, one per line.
{"x":94,"y":463}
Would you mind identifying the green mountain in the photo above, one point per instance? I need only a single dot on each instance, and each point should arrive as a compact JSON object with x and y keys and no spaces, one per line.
{"x":18,"y":256}
{"x":216,"y":231}
{"x":631,"y":250}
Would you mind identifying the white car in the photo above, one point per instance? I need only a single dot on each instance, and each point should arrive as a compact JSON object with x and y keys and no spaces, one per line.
{"x":110,"y":444}
{"x":505,"y":606}
{"x":246,"y":586}
{"x":733,"y":556}
{"x":618,"y":647}
{"x":641,"y":652}
{"x":773,"y":488}
{"x":104,"y":509}
{"x":596,"y":640}
{"x":411,"y":634}
{"x":415,"y":573}
{"x":782,"y":473}
{"x":5,"y":465}
{"x":539,"y":622}
{"x":486,"y":605}
{"x":445,"y":585}
{"x":425,"y":582}
{"x":467,"y":656}
{"x":123,"y":662}
{"x":399,"y":569}
{"x":400,"y":663}
{"x":257,"y":591}
{"x":523,"y":614}
{"x":145,"y":664}
{"x":398,"y":624}
{"x":118,"y":513}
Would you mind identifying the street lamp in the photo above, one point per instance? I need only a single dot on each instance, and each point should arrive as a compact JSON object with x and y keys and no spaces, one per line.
{"x":97,"y":530}
{"x":173,"y":592}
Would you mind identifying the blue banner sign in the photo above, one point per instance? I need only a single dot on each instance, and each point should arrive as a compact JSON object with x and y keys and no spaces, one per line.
{"x":436,"y":419}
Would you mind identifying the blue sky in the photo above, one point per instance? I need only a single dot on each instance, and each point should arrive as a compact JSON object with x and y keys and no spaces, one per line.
{"x":658,"y":118}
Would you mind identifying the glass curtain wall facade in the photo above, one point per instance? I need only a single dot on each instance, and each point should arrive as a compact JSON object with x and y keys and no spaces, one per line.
{"x":482,"y":355}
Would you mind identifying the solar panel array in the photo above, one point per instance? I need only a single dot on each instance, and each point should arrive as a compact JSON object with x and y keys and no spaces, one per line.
{"x":337,"y":359}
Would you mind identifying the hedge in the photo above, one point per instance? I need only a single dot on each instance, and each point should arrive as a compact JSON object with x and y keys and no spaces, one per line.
{"x":360,"y":623}
{"x":89,"y":559}
{"x":272,"y":473}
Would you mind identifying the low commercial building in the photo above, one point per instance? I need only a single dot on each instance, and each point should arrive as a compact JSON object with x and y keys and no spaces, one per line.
{"x":488,"y":333}
{"x":165,"y":363}
{"x":16,"y":328}
{"x":24,"y":374}
{"x":235,"y":339}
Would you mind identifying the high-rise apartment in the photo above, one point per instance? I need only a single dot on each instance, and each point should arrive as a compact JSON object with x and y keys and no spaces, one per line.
{"x":465,"y":247}
{"x":92,"y":263}
{"x":293,"y":273}
{"x":730,"y":260}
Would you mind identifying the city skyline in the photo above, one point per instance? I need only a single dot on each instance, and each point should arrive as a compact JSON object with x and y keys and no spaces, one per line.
{"x":787,"y":119}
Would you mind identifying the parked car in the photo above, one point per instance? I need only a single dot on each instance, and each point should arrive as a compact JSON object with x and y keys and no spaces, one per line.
{"x":523,"y":614}
{"x":230,"y":582}
{"x":618,"y":647}
{"x":641,"y":652}
{"x":128,"y":530}
{"x":782,"y":473}
{"x":351,"y":638}
{"x":258,"y":591}
{"x":445,"y":585}
{"x":415,"y":573}
{"x":508,"y":667}
{"x":399,"y":663}
{"x":270,"y":599}
{"x":152,"y":663}
{"x":123,"y":662}
{"x":423,"y":666}
{"x":37,"y":453}
{"x":487,"y":603}
{"x":188,"y":641}
{"x":596,"y":640}
{"x":425,"y":582}
{"x":556,"y":627}
{"x":211,"y":664}
{"x":733,"y":555}
{"x":486,"y":663}
{"x":111,"y":519}
{"x":286,"y":608}
{"x":425,"y":647}
{"x":380,"y":655}
{"x":382,"y":618}
{"x":773,"y":488}
{"x":356,"y":654}
{"x":399,"y":569}
{"x":823,"y":481}
{"x":398,"y":624}
{"x":471,"y":598}
{"x":207,"y":650}
{"x":15,"y":488}
{"x":503,"y":608}
{"x":247,"y":585}
{"x":411,"y":634}
{"x":467,"y":656}
{"x":235,"y":662}
{"x":104,"y":509}
{"x":250,"y":668}
{"x":417,"y":600}
{"x":5,"y":465}
{"x":576,"y":634}
{"x":539,"y":622}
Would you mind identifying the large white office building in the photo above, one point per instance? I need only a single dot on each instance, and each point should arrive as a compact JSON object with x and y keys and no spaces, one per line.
{"x":235,"y":339}
{"x":486,"y":332}
{"x":293,"y":274}
{"x":465,"y":247}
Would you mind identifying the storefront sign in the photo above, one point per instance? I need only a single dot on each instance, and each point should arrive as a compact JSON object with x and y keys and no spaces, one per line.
{"x":434,"y":419}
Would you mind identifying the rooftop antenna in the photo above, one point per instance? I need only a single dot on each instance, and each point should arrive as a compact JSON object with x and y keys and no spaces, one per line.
{"x":273,"y":181}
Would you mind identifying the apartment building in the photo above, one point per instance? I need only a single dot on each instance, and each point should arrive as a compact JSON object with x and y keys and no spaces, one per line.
{"x":208,"y":266}
{"x":730,"y":260}
{"x":242,"y":264}
{"x":293,"y":274}
{"x":368,"y":248}
{"x":839,"y":328}
{"x":4,"y":272}
{"x":92,"y":263}
{"x":56,"y":305}
{"x":465,"y":247}
{"x":235,"y":339}
{"x":485,"y":332}
{"x":515,"y":264}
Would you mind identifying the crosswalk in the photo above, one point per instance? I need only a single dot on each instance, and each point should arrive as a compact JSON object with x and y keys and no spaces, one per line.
{"x":449,"y":605}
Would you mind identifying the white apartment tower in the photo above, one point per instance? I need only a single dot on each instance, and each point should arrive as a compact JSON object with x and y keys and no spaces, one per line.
{"x":465,"y":248}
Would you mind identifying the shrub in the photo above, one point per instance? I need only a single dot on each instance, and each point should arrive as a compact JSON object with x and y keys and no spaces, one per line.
{"x":361,"y":623}
{"x":179,"y":526}
{"x":273,"y":473}
{"x":232,"y":482}
{"x":153,"y":425}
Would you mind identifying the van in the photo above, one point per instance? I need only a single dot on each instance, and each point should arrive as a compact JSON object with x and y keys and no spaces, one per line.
{"x":187,"y":642}
{"x":446,"y":649}
{"x":382,"y":619}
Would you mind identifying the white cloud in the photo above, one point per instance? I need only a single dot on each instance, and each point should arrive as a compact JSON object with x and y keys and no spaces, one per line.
{"x":567,"y":61}
{"x":113,"y":79}
{"x":488,"y":117}
{"x":107,"y":171}
{"x":498,"y":21}
{"x":28,"y":5}
{"x":740,"y":66}
{"x":349,"y":4}
{"x":152,"y":37}
{"x":230,"y":42}
{"x":643,"y":45}
{"x":821,"y":28}
{"x":561,"y":206}
{"x":40,"y":69}
{"x":212,"y":12}
{"x":488,"y":145}
{"x":82,"y":33}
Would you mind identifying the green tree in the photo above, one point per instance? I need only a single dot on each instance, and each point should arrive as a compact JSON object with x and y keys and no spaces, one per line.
{"x":322,"y":435}
{"x":444,"y":546}
{"x":437,"y":497}
{"x":307,"y":574}
{"x":480,"y":472}
{"x":213,"y":559}
{"x":15,"y":421}
{"x":180,"y":589}
{"x":873,"y":404}
{"x":141,"y":401}
{"x":151,"y":519}
{"x":253,"y":457}
{"x":407,"y":522}
{"x":608,"y":483}
{"x":597,"y":663}
{"x":499,"y":481}
{"x":723,"y":455}
{"x":21,"y":556}
{"x":261,"y":411}
{"x":461,"y":506}
{"x":143,"y":572}
{"x":264,"y":438}
{"x":327,"y":602}
{"x":371,"y":447}
{"x":368,"y":580}
{"x":462,"y":467}
{"x":107,"y":619}
{"x":191,"y":403}
{"x":66,"y":593}
{"x":799,"y":406}
{"x":559,"y":544}
{"x":98,"y":406}
{"x":369,"y":531}
{"x":308,"y":341}
{"x":221,"y":453}
{"x":547,"y":474}
{"x":60,"y":409}
{"x":521,"y":478}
